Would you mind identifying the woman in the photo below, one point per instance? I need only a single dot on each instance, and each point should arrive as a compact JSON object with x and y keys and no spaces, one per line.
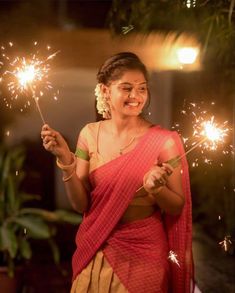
{"x":129,"y":181}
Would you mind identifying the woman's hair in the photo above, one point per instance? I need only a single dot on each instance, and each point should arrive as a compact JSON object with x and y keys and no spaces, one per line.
{"x":116,"y":65}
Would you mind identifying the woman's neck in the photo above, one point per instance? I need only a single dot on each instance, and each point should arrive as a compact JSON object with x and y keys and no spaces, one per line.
{"x":122,"y":126}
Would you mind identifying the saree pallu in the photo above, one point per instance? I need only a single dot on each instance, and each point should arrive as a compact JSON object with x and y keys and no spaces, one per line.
{"x":143,"y":254}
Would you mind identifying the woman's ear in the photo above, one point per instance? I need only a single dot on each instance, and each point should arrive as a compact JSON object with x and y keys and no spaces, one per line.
{"x":105,"y":91}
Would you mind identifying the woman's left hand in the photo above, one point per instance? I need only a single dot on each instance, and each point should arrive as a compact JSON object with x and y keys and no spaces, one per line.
{"x":156,"y":178}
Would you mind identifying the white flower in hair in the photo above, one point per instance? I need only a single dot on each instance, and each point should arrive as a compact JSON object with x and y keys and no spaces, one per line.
{"x":102,"y":106}
{"x":98,"y":90}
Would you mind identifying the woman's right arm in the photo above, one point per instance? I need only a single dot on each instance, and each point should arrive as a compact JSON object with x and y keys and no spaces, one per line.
{"x":75,"y":170}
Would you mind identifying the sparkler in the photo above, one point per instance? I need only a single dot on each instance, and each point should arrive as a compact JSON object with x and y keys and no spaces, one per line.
{"x":26,"y":75}
{"x":173,"y":257}
{"x":210,"y":136}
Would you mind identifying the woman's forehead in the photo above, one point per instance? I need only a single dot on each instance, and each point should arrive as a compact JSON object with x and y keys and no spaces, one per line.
{"x":132,"y":76}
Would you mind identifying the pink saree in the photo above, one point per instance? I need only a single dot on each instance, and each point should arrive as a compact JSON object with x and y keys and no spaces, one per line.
{"x":137,"y":251}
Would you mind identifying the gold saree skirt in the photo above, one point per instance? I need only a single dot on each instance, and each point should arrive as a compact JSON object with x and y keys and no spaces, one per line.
{"x":97,"y":277}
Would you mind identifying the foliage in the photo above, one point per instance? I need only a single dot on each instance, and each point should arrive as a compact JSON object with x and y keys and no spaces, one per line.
{"x":212,"y":22}
{"x":20,"y":223}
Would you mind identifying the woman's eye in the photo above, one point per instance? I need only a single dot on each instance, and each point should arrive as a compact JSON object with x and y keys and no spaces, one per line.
{"x":127,"y":89}
{"x":143,"y":89}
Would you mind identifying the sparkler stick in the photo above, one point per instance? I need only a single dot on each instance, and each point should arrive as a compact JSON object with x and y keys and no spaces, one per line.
{"x":26,"y":76}
{"x":188,"y":151}
{"x":37,"y":104}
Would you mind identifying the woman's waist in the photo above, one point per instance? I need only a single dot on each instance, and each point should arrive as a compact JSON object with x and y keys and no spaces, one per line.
{"x":149,"y":231}
{"x":145,"y":226}
{"x":137,"y":212}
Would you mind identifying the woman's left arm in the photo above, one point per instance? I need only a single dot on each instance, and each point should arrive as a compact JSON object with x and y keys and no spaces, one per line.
{"x":170,"y":198}
{"x":164,"y":183}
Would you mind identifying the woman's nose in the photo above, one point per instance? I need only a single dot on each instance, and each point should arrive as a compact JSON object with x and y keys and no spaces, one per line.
{"x":133,"y":93}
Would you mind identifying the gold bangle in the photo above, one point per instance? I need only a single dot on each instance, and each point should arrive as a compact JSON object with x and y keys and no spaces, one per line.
{"x":65,"y":179}
{"x":67,"y":167}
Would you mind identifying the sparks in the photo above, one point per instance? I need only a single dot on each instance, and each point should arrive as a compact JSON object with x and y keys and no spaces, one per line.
{"x":226,"y":243}
{"x":207,"y":134}
{"x":173,"y":257}
{"x":213,"y":133}
{"x":26,"y":76}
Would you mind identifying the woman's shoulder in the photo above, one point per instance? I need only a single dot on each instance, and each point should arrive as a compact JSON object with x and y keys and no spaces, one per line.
{"x":170,"y":136}
{"x":90,"y":128}
{"x":163,"y":130}
{"x":88,"y":133}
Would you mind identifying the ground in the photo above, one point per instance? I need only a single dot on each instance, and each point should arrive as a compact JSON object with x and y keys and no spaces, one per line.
{"x":214,"y":269}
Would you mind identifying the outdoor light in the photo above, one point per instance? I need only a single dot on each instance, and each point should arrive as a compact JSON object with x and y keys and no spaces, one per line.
{"x":187,"y":55}
{"x":190,"y":3}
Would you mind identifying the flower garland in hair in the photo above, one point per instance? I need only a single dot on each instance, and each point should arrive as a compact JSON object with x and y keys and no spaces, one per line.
{"x":102,"y":105}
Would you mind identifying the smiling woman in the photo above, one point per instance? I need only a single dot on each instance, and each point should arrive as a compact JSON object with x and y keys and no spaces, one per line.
{"x":127,"y":233}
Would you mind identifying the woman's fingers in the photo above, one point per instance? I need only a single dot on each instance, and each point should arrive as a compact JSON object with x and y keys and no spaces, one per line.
{"x":168,"y":168}
{"x":158,"y":176}
{"x":48,"y":138}
{"x":46,"y":127}
{"x":49,"y":146}
{"x":48,"y":132}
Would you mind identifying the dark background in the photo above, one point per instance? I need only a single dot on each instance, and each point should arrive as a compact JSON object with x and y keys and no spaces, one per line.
{"x":212,"y":187}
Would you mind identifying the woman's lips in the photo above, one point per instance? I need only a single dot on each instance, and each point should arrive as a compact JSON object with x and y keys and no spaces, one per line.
{"x":132,"y":104}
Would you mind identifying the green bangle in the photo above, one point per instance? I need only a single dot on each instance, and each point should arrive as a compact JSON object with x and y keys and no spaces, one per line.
{"x":82,"y":154}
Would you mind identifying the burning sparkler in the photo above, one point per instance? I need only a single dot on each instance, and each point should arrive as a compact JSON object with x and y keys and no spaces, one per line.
{"x":208,"y":134}
{"x":173,"y":257}
{"x":26,"y":76}
{"x":211,"y":135}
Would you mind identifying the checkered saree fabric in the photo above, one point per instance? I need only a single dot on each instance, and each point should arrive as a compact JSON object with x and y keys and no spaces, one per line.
{"x":137,"y":251}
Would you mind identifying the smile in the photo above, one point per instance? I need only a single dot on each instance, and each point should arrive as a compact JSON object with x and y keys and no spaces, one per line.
{"x":132,"y":104}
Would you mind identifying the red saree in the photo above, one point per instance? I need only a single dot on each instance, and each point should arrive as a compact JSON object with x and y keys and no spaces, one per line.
{"x":137,"y":251}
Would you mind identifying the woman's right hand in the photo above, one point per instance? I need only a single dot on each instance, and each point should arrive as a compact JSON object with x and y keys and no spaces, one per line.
{"x":54,"y":143}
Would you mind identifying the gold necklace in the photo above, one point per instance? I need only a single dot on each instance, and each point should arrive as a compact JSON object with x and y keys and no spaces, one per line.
{"x":125,"y":147}
{"x":121,"y":149}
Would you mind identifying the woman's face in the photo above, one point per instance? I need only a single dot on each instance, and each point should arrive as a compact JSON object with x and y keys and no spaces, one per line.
{"x":128,"y":95}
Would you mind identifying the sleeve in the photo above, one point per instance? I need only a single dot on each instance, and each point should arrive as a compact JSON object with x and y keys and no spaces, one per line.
{"x":82,"y":149}
{"x":170,"y":153}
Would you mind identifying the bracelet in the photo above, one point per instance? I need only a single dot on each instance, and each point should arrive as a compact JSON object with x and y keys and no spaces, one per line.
{"x":67,"y":167}
{"x":65,"y":179}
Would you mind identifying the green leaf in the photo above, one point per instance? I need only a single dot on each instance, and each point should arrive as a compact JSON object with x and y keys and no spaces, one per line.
{"x":36,"y":227}
{"x":69,"y":217}
{"x":10,"y":193}
{"x":55,"y":216}
{"x":18,"y":157}
{"x":55,"y":250}
{"x":9,"y":240}
{"x":2,"y":208}
{"x":47,"y":215}
{"x":25,"y":197}
{"x":1,"y":240}
{"x":6,"y":168}
{"x":25,"y":248}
